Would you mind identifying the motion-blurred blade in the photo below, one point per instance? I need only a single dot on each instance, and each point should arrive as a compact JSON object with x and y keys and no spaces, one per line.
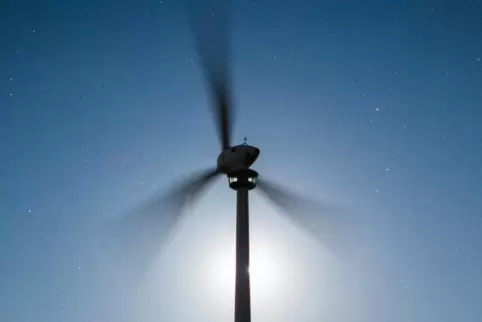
{"x":135,"y":239}
{"x":328,"y":224}
{"x":208,"y":20}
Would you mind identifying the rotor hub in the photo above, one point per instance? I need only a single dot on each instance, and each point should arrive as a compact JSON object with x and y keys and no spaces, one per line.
{"x":245,"y":178}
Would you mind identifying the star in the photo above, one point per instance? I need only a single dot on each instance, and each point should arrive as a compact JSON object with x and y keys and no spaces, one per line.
{"x":11,"y":94}
{"x":377,"y":109}
{"x":477,"y":59}
{"x":29,"y":210}
{"x":10,"y":79}
{"x":33,"y":30}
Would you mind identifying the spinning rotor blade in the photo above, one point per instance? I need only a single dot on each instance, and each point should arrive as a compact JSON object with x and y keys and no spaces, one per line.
{"x":136,"y":238}
{"x":328,"y":224}
{"x":208,"y":20}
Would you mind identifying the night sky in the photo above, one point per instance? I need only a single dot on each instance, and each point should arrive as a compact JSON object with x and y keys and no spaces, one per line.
{"x":375,"y":105}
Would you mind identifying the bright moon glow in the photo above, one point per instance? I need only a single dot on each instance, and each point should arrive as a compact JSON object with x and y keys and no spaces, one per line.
{"x":264,"y":272}
{"x":279,"y":270}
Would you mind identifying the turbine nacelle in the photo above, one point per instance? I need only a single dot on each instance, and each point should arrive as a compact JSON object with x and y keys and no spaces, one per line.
{"x":237,"y":158}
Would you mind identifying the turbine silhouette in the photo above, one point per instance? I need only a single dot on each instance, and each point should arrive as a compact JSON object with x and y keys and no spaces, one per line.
{"x":144,"y":230}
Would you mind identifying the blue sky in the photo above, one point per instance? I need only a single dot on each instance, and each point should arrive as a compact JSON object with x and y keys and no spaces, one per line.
{"x":375,"y":105}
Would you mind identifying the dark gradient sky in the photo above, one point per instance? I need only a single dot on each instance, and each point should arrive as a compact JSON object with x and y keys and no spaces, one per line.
{"x":373,"y":104}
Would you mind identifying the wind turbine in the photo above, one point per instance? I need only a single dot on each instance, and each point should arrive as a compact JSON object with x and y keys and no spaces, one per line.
{"x":210,"y":32}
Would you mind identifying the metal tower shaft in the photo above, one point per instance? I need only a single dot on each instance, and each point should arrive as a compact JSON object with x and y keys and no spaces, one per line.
{"x":242,"y":297}
{"x":242,"y":182}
